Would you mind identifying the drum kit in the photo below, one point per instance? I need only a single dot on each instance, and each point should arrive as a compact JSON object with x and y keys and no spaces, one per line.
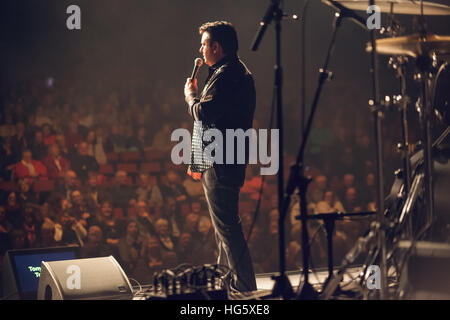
{"x":429,"y":52}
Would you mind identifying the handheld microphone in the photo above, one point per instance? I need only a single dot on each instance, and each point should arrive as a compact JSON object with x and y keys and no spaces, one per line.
{"x":197,"y":64}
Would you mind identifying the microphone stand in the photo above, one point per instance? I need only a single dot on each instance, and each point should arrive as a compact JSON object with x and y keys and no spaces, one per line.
{"x":297,"y":177}
{"x":377,"y":112}
{"x":282,"y":287}
{"x":329,"y":220}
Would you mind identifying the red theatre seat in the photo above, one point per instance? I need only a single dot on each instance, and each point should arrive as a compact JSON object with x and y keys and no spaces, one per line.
{"x":131,"y":212}
{"x":43,"y":185}
{"x":128,"y":167}
{"x":151,"y":167}
{"x":155,"y":154}
{"x":112,"y":157}
{"x":8,"y":186}
{"x":118,"y":213}
{"x":185,"y":209}
{"x":130,"y":156}
{"x":107,"y":169}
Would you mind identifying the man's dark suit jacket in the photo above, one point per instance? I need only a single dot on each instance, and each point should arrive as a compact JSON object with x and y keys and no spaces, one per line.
{"x":227,"y":101}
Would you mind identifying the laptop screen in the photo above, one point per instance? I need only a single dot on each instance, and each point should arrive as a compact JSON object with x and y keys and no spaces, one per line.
{"x":27,"y":266}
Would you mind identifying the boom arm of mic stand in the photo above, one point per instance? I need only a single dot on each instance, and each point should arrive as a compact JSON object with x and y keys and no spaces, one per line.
{"x":345,"y":12}
{"x":266,"y":20}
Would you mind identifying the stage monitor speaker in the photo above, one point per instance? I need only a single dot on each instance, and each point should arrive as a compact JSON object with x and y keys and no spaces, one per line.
{"x":84,"y":279}
{"x":426,"y":275}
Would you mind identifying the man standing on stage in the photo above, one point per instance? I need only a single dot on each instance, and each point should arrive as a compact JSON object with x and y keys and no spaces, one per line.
{"x":227,"y":102}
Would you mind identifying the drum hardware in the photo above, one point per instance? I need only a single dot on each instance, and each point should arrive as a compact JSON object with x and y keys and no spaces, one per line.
{"x":398,"y":64}
{"x":425,"y":49}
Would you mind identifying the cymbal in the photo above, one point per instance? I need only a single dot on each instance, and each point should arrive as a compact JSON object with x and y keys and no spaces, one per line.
{"x":413,"y":45}
{"x":397,"y":6}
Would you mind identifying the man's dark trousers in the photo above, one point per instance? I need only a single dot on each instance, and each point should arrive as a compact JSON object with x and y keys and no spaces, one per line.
{"x":223,"y":205}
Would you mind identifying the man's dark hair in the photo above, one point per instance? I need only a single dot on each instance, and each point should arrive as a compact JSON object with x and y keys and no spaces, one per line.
{"x":224,"y":33}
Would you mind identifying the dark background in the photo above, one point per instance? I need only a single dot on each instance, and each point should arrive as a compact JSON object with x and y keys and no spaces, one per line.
{"x":156,"y":41}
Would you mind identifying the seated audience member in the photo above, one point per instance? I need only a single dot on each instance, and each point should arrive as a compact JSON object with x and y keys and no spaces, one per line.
{"x":29,"y":168}
{"x":146,"y":219}
{"x":40,"y":117}
{"x":270,"y":264}
{"x":369,"y":190}
{"x":86,"y":118}
{"x":194,"y":188}
{"x":48,"y":231}
{"x":293,"y":255}
{"x":60,"y":140}
{"x":7,"y":128}
{"x":167,"y":244}
{"x":48,"y":136}
{"x":38,"y":147}
{"x":131,"y":248}
{"x":161,"y":140}
{"x":246,"y":222}
{"x":25,"y":195}
{"x":95,"y":245}
{"x":318,"y":188}
{"x":329,"y":204}
{"x":17,"y":238}
{"x":191,"y":226}
{"x":73,"y":137}
{"x":196,"y":208}
{"x":31,"y":227}
{"x":351,"y":203}
{"x":92,"y":193}
{"x":346,"y":160}
{"x":121,"y":192}
{"x":73,"y":232}
{"x":149,"y":192}
{"x":294,"y":212}
{"x":173,"y":188}
{"x":187,"y":250}
{"x":13,"y":211}
{"x":69,"y":185}
{"x":348,"y":181}
{"x":140,"y":141}
{"x":49,"y":210}
{"x":172,"y":214}
{"x":207,"y":240}
{"x":81,"y":210}
{"x":82,"y":162}
{"x":5,"y":229}
{"x":8,"y":159}
{"x":56,"y":164}
{"x":95,"y":147}
{"x":116,"y":141}
{"x":253,"y":182}
{"x":257,"y":247}
{"x":112,"y":227}
{"x":163,"y":234}
{"x":20,"y":140}
{"x":154,"y":260}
